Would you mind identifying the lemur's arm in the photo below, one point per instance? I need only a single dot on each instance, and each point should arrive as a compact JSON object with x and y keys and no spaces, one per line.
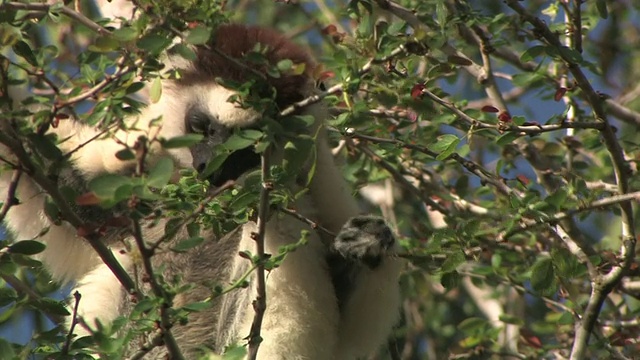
{"x":364,"y":276}
{"x":366,"y":280}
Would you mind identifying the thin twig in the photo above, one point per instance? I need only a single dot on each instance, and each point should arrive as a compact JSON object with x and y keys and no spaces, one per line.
{"x":74,"y":321}
{"x":194,"y":213}
{"x":314,"y":225}
{"x":146,"y":253}
{"x":260,"y":303}
{"x":165,"y":321}
{"x":601,"y":203}
{"x":339,"y":87}
{"x":400,"y":179}
{"x":108,"y":79}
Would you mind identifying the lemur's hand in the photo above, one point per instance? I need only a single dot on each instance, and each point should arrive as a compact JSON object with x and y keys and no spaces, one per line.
{"x":364,"y":239}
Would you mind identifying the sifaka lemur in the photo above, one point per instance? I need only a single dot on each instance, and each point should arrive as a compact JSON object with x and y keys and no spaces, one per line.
{"x":335,"y":299}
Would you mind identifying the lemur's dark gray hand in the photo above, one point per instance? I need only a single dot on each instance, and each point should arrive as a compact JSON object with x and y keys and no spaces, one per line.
{"x":364,"y":239}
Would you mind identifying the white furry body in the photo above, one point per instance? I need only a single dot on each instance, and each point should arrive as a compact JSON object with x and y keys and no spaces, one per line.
{"x":302,"y":320}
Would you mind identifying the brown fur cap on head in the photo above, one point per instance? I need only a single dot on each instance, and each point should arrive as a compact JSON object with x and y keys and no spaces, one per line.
{"x":236,"y":41}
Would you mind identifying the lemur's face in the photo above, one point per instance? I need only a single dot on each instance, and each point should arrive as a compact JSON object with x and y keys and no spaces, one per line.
{"x":214,"y":116}
{"x":210,"y":112}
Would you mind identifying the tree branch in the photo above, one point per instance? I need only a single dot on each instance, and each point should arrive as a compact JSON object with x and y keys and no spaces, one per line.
{"x":260,"y":303}
{"x":58,"y":7}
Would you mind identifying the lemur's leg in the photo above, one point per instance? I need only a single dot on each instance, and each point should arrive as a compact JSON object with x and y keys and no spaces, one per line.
{"x":101,"y":295}
{"x":366,"y":281}
{"x":302,"y":313}
{"x":67,"y":256}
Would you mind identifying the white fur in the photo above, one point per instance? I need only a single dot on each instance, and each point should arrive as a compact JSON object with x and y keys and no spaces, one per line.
{"x":101,"y":295}
{"x":302,"y":312}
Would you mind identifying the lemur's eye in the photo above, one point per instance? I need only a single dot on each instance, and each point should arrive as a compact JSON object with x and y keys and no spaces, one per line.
{"x":321,"y":86}
{"x":198,"y":122}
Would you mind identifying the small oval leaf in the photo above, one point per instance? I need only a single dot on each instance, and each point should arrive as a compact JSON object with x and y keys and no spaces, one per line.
{"x":27,"y":247}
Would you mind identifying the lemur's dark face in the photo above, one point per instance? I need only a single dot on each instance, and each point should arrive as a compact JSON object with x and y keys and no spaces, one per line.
{"x":212,"y":114}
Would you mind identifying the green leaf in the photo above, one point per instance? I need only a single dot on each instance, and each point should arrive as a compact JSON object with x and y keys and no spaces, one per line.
{"x":235,"y":353}
{"x":197,"y":306}
{"x":214,"y":164}
{"x":125,"y":34}
{"x":542,"y":275}
{"x":452,"y":261}
{"x":52,"y":211}
{"x":449,"y":150}
{"x":566,"y":318}
{"x":125,"y":154}
{"x":51,"y":306}
{"x":183,"y":141}
{"x":443,"y":143}
{"x":23,"y":49}
{"x":531,"y":53}
{"x":601,"y":5}
{"x":507,"y":138}
{"x":161,"y":173}
{"x":45,"y":146}
{"x":557,"y":199}
{"x":7,"y":296}
{"x":198,"y":35}
{"x":284,"y":65}
{"x":27,"y":247}
{"x":143,"y":306}
{"x":135,"y":87}
{"x":496,"y":260}
{"x":510,"y":319}
{"x":472,"y":325}
{"x":242,"y":201}
{"x":7,"y":350}
{"x":441,"y":14}
{"x":296,"y":154}
{"x":237,"y":142}
{"x":565,"y":263}
{"x":570,"y":54}
{"x":105,"y":186}
{"x":154,"y":43}
{"x":450,"y":280}
{"x":185,"y":51}
{"x":188,"y":244}
{"x":252,"y":134}
{"x":193,"y":229}
{"x":104,"y":44}
{"x":156,"y":90}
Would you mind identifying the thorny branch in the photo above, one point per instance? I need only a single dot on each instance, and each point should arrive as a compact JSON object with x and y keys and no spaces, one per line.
{"x":397,"y":176}
{"x":166,"y":322}
{"x":597,"y":204}
{"x":339,"y":87}
{"x":260,"y":303}
{"x":74,"y":321}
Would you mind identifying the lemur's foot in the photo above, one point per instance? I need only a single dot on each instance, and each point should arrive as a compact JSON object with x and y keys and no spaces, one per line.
{"x":365,"y":239}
